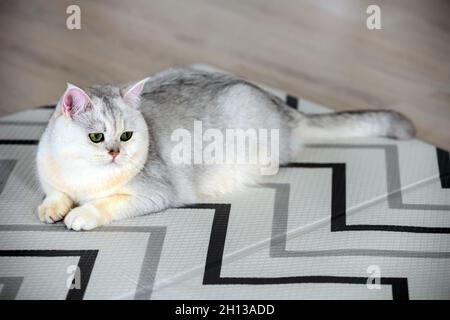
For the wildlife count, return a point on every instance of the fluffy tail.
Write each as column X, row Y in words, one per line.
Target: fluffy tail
column 355, row 124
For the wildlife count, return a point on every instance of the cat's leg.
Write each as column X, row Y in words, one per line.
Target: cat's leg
column 98, row 212
column 103, row 211
column 54, row 207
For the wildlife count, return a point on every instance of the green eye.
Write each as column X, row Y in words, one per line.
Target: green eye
column 96, row 137
column 126, row 136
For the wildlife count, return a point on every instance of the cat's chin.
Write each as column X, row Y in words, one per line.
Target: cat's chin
column 109, row 163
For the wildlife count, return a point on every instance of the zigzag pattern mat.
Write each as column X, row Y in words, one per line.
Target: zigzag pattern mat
column 356, row 219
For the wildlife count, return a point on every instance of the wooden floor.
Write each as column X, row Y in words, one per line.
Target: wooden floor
column 320, row 50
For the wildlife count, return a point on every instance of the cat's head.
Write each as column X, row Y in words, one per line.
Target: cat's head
column 101, row 126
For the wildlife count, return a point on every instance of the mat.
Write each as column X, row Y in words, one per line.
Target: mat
column 352, row 219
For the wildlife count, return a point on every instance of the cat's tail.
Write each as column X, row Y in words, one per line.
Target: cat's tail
column 355, row 124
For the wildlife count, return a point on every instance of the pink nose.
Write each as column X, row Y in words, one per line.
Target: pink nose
column 114, row 153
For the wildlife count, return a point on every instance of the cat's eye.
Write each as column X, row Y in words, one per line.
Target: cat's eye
column 126, row 136
column 96, row 137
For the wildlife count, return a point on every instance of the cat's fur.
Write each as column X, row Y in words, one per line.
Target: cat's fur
column 86, row 189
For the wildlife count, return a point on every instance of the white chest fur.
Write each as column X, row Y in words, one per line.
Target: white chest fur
column 80, row 181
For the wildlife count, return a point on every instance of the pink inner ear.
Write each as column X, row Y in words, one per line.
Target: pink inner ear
column 68, row 101
column 75, row 101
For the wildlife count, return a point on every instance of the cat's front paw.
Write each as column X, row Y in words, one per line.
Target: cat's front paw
column 86, row 217
column 54, row 208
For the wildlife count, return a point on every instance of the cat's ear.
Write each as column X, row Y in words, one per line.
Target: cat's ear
column 132, row 93
column 74, row 101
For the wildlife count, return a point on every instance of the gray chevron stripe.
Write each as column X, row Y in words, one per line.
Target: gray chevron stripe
column 280, row 230
column 6, row 167
column 10, row 287
column 394, row 188
column 149, row 264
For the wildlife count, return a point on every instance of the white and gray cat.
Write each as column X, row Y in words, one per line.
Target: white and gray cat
column 106, row 153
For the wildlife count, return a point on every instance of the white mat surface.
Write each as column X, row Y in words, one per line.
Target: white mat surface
column 317, row 230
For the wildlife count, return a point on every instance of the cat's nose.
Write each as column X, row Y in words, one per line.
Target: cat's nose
column 114, row 153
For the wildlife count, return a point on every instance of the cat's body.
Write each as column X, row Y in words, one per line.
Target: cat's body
column 93, row 183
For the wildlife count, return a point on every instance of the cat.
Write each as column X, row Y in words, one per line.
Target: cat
column 107, row 152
